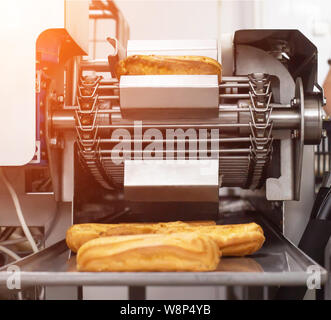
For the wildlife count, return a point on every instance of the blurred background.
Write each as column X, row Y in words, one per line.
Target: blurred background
column 208, row 19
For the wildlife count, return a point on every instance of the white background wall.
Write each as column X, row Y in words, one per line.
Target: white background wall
column 311, row 17
column 202, row 19
column 207, row 19
column 171, row 19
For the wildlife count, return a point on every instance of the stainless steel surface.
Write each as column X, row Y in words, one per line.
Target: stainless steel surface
column 313, row 120
column 221, row 140
column 285, row 119
column 278, row 263
column 235, row 79
column 234, row 85
column 53, row 150
column 172, row 181
column 227, row 165
column 203, row 125
column 169, row 154
column 282, row 119
column 326, row 183
column 261, row 127
column 109, row 82
column 234, row 96
column 282, row 188
column 287, row 186
column 250, row 59
column 169, row 96
column 299, row 141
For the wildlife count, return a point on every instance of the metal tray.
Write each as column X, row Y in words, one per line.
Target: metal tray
column 279, row 262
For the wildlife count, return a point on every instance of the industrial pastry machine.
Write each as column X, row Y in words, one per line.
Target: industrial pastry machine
column 175, row 147
column 250, row 128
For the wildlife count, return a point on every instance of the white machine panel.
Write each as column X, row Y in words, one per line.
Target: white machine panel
column 18, row 67
column 206, row 48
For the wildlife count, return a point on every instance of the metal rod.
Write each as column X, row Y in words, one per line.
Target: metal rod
column 112, row 159
column 221, row 140
column 285, row 119
column 233, row 157
column 225, row 109
column 109, row 97
column 172, row 126
column 235, row 79
column 244, row 150
column 108, row 87
column 108, row 82
column 107, row 111
column 95, row 65
column 235, row 164
column 234, row 85
column 282, row 119
column 234, row 96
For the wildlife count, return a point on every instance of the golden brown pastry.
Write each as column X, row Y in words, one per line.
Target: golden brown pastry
column 157, row 252
column 79, row 234
column 233, row 240
column 238, row 240
column 168, row 65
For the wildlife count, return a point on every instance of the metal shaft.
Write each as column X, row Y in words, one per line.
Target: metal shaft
column 282, row 119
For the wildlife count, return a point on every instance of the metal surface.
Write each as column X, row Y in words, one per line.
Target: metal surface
column 326, row 182
column 185, row 181
column 176, row 186
column 169, row 96
column 287, row 186
column 312, row 120
column 278, row 263
column 282, row 188
column 299, row 142
column 250, row 59
column 282, row 119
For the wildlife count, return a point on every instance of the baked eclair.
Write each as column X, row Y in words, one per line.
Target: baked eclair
column 156, row 252
column 79, row 234
column 233, row 240
column 168, row 65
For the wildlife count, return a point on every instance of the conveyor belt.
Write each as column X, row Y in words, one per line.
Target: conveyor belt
column 244, row 156
column 279, row 262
